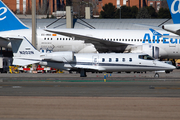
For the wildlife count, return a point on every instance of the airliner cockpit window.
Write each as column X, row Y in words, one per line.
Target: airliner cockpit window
column 145, row 57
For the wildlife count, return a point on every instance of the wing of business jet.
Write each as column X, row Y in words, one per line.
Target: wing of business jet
column 99, row 43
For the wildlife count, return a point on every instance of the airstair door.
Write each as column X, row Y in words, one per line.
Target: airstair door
column 95, row 60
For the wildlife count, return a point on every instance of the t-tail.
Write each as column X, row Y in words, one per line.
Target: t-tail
column 174, row 7
column 24, row 52
column 8, row 20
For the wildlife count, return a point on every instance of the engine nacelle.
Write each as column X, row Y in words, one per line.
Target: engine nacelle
column 59, row 56
column 153, row 51
column 174, row 28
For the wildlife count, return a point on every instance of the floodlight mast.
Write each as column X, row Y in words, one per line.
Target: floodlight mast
column 34, row 23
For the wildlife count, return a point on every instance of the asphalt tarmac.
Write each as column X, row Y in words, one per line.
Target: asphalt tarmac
column 133, row 96
column 114, row 85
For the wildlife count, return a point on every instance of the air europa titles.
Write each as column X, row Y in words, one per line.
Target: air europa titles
column 156, row 39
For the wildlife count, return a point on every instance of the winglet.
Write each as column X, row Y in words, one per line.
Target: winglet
column 8, row 21
column 155, row 33
column 174, row 10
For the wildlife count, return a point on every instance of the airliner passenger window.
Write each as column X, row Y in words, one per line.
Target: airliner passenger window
column 130, row 59
column 44, row 38
column 110, row 60
column 123, row 59
column 103, row 59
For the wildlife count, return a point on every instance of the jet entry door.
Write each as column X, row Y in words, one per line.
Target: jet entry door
column 95, row 60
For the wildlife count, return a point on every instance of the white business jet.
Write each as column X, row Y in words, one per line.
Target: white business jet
column 25, row 54
column 133, row 41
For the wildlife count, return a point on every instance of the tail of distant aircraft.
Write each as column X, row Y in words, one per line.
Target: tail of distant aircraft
column 8, row 20
column 24, row 52
column 174, row 7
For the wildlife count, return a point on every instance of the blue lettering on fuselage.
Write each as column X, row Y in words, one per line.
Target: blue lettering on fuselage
column 156, row 39
column 26, row 52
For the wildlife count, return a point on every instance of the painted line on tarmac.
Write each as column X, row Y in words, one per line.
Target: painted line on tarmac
column 80, row 81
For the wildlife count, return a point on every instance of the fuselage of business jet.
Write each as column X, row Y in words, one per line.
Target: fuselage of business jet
column 168, row 47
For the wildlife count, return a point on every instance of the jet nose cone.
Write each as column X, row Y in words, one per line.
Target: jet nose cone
column 171, row 67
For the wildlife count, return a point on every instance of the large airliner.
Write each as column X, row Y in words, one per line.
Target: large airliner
column 11, row 26
column 149, row 41
column 24, row 54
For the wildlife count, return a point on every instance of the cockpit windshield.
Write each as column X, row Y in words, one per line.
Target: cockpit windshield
column 145, row 57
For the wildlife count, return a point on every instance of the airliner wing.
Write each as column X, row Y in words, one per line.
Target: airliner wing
column 97, row 42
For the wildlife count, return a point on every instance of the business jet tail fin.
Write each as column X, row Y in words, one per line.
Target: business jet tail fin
column 24, row 52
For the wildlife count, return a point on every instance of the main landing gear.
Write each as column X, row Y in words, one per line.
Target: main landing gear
column 83, row 73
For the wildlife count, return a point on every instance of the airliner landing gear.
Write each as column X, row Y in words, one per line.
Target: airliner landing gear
column 83, row 73
column 156, row 75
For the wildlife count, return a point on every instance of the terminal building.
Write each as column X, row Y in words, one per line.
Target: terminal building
column 50, row 6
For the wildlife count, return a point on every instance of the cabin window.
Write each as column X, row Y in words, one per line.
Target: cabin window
column 130, row 59
column 145, row 57
column 57, row 38
column 116, row 39
column 63, row 38
column 110, row 60
column 103, row 59
column 51, row 38
column 123, row 59
column 117, row 59
column 44, row 38
column 47, row 38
